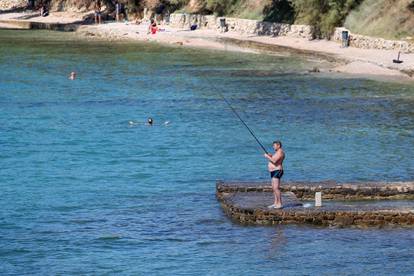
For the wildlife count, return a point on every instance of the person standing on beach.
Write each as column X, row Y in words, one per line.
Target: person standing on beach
column 43, row 9
column 275, row 167
column 117, row 11
column 31, row 4
column 98, row 15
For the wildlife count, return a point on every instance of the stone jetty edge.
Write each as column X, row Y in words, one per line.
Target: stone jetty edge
column 231, row 194
column 33, row 25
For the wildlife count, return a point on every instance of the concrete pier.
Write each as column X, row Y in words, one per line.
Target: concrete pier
column 362, row 204
column 33, row 25
column 56, row 21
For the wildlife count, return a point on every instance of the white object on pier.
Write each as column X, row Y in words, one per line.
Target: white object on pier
column 318, row 199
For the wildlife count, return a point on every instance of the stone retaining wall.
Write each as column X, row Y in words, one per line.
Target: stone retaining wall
column 254, row 27
column 241, row 26
column 367, row 42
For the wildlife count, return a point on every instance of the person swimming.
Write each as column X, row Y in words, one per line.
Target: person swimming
column 149, row 122
column 72, row 75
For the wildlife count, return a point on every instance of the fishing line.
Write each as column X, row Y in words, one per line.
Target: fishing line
column 235, row 112
column 241, row 120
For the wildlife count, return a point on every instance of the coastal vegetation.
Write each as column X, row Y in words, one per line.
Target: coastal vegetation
column 383, row 18
column 392, row 19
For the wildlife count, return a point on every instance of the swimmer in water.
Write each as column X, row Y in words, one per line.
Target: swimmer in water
column 72, row 76
column 150, row 121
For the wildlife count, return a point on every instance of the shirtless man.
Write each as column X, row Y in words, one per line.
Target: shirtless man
column 275, row 167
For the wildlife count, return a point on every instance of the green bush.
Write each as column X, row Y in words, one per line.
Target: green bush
column 411, row 6
column 279, row 11
column 219, row 7
column 178, row 4
column 323, row 15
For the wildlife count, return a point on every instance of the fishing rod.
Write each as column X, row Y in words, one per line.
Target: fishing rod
column 238, row 116
column 241, row 120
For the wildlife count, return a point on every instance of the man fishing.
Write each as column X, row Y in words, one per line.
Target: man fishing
column 275, row 167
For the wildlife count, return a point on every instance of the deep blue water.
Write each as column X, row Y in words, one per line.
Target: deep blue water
column 86, row 188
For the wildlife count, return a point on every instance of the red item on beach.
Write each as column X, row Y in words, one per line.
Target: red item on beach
column 153, row 30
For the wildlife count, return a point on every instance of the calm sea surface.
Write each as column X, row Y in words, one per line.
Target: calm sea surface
column 86, row 188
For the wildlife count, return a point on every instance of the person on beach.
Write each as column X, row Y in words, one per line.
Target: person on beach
column 43, row 9
column 31, row 4
column 72, row 76
column 275, row 167
column 117, row 11
column 152, row 27
column 98, row 15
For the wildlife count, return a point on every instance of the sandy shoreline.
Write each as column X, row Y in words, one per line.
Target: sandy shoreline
column 350, row 61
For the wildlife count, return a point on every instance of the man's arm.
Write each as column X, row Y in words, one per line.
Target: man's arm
column 274, row 158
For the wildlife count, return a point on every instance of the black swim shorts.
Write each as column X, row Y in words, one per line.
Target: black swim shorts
column 276, row 174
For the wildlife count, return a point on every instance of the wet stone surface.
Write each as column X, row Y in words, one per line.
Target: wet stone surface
column 261, row 200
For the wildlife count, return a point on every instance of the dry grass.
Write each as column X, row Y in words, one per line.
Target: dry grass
column 390, row 19
column 250, row 9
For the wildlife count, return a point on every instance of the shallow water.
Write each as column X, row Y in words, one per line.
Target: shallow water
column 84, row 191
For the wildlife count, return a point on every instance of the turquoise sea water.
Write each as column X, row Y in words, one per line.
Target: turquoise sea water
column 86, row 188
